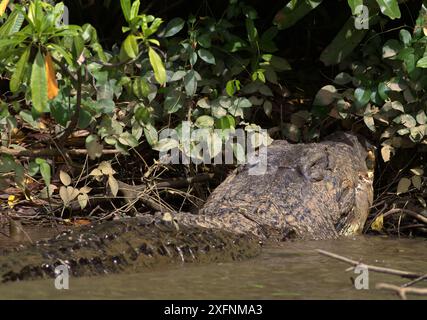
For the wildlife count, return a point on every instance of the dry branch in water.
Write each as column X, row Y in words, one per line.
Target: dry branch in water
column 401, row 273
column 400, row 290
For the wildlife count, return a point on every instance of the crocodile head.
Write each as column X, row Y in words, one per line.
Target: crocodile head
column 352, row 221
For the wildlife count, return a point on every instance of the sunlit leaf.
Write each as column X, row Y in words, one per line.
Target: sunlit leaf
column 157, row 65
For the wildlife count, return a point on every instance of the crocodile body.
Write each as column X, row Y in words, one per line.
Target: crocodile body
column 310, row 191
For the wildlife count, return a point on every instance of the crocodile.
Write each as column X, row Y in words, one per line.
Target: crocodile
column 309, row 191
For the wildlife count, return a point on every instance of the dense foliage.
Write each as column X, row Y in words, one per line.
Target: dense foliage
column 63, row 82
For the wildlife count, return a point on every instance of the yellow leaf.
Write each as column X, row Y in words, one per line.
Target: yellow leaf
column 12, row 201
column 3, row 6
column 378, row 223
column 52, row 84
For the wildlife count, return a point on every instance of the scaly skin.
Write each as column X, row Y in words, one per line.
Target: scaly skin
column 310, row 191
column 129, row 244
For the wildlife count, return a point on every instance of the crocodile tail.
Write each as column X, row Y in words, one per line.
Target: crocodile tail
column 130, row 244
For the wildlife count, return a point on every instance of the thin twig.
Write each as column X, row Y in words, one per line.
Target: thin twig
column 401, row 273
column 411, row 213
column 51, row 152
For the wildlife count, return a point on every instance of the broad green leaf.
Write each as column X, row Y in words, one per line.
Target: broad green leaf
column 45, row 172
column 39, row 85
column 344, row 43
column 127, row 139
column 190, row 83
column 142, row 114
column 294, row 11
column 173, row 101
column 390, row 8
column 173, row 27
column 18, row 75
column 362, row 97
column 151, row 134
column 226, row 122
column 13, row 24
column 206, row 56
column 141, row 88
column 130, row 46
column 157, row 65
column 422, row 63
column 405, row 36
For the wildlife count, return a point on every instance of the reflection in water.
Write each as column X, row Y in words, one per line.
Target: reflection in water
column 292, row 271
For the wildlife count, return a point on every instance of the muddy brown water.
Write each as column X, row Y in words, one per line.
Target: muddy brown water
column 293, row 270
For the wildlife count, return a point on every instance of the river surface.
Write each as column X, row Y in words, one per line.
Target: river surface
column 293, row 270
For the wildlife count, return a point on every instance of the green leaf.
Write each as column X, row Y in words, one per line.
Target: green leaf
column 422, row 63
column 39, row 84
column 127, row 139
column 354, row 4
column 33, row 169
column 173, row 101
column 173, row 27
column 343, row 44
column 134, row 11
column 230, row 88
column 205, row 122
column 226, row 122
column 125, row 4
column 142, row 114
column 45, row 172
column 390, row 8
column 18, row 75
column 293, row 12
column 151, row 134
column 190, row 83
column 206, row 56
column 141, row 88
column 157, row 65
column 362, row 97
column 251, row 30
column 280, row 64
column 405, row 36
column 130, row 46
